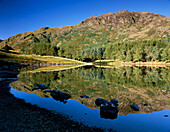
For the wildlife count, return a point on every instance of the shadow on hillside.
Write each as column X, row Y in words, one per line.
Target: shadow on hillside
column 7, row 51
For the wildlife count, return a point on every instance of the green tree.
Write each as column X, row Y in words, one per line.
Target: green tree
column 61, row 52
column 165, row 56
column 138, row 51
column 129, row 56
column 108, row 50
column 99, row 53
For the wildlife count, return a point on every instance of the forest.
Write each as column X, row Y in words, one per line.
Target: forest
column 144, row 50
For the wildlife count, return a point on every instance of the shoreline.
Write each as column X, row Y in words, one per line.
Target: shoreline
column 139, row 64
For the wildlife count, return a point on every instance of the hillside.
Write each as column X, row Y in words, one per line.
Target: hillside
column 100, row 31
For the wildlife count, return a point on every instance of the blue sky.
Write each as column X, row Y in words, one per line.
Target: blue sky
column 19, row 16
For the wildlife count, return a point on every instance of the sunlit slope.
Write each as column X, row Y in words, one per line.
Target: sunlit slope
column 16, row 58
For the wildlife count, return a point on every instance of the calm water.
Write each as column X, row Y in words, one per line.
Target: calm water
column 129, row 85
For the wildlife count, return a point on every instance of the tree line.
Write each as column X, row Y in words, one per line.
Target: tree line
column 147, row 50
column 150, row 50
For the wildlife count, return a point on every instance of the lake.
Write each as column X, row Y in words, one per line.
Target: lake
column 147, row 87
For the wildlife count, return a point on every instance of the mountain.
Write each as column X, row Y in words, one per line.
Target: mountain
column 126, row 31
column 106, row 28
column 1, row 40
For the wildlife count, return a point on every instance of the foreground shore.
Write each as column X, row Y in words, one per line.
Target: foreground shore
column 17, row 115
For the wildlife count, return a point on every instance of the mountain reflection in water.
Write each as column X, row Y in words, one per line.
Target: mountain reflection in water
column 129, row 85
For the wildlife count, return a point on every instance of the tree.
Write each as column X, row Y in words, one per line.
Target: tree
column 156, row 52
column 129, row 56
column 138, row 51
column 99, row 53
column 114, row 51
column 164, row 55
column 121, row 55
column 107, row 54
column 60, row 52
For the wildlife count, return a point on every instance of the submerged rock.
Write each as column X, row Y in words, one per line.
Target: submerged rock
column 84, row 96
column 135, row 107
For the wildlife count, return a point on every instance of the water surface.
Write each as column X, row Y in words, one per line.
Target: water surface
column 129, row 85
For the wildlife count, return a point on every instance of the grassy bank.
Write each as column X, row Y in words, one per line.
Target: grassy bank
column 16, row 58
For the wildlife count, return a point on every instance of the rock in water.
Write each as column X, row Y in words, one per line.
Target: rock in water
column 100, row 101
column 135, row 107
column 115, row 101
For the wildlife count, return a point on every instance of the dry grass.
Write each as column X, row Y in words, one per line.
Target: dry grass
column 27, row 59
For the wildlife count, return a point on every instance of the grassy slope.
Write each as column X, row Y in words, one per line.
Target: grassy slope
column 12, row 57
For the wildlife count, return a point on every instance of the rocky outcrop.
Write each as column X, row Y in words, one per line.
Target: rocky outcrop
column 124, row 17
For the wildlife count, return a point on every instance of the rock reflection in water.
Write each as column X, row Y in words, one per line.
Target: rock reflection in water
column 108, row 110
column 60, row 96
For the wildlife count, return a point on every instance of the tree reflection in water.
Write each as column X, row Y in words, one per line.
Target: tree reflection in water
column 129, row 85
